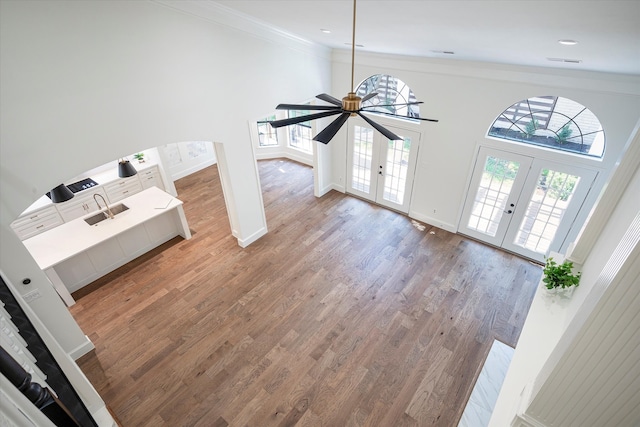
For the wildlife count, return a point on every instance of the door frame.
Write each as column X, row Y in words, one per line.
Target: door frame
column 376, row 195
column 552, row 156
column 587, row 180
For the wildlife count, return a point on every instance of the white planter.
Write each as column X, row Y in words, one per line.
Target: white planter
column 560, row 292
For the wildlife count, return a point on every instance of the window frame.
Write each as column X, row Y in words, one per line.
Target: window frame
column 539, row 122
column 397, row 92
column 300, row 129
column 260, row 124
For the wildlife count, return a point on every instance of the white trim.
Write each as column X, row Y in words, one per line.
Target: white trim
column 324, row 190
column 523, row 420
column 194, row 169
column 76, row 377
column 594, row 347
column 339, row 187
column 624, row 170
column 255, row 236
column 432, row 221
column 17, row 410
column 222, row 15
column 82, row 349
column 597, row 82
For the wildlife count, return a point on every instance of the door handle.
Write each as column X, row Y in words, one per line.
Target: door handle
column 510, row 211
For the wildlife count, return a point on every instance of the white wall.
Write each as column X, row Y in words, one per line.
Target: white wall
column 86, row 82
column 466, row 98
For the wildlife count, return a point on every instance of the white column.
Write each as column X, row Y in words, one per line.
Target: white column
column 622, row 174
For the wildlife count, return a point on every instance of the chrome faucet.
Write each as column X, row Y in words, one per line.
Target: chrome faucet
column 105, row 203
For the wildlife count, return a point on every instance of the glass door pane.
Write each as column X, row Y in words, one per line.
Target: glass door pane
column 396, row 169
column 362, row 157
column 554, row 194
column 491, row 197
column 545, row 211
column 395, row 174
column 495, row 188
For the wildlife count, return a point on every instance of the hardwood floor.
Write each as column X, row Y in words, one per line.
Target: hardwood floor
column 344, row 314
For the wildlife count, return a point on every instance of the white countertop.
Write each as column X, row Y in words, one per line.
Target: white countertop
column 71, row 238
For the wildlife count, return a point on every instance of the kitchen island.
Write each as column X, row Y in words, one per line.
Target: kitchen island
column 75, row 253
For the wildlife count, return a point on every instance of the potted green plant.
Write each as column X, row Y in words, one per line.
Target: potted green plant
column 560, row 276
column 139, row 157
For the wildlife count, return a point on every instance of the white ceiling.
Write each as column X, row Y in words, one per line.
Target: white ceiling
column 520, row 32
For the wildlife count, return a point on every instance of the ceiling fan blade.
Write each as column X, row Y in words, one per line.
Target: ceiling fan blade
column 387, row 133
column 303, row 107
column 369, row 96
column 330, row 99
column 331, row 130
column 393, row 105
column 403, row 117
column 300, row 119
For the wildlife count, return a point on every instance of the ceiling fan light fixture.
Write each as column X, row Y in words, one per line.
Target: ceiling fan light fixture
column 568, row 42
column 565, row 60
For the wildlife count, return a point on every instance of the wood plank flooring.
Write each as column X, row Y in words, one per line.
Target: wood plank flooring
column 344, row 314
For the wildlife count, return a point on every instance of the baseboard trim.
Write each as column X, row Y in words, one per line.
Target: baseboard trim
column 432, row 221
column 243, row 243
column 324, row 191
column 338, row 187
column 82, row 349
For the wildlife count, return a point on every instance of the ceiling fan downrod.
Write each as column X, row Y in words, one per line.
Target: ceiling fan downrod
column 351, row 102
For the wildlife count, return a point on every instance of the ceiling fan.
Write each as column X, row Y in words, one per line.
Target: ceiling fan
column 351, row 105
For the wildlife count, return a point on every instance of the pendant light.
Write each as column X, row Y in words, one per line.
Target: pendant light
column 126, row 169
column 61, row 194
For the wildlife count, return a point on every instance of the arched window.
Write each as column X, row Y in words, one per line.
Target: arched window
column 390, row 91
column 552, row 122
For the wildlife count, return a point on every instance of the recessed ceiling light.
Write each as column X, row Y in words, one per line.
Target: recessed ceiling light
column 570, row 61
column 323, row 30
column 568, row 42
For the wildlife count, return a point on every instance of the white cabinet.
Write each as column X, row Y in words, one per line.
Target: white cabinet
column 122, row 188
column 134, row 242
column 96, row 261
column 151, row 177
column 163, row 227
column 76, row 272
column 44, row 215
column 36, row 222
column 82, row 204
column 101, row 259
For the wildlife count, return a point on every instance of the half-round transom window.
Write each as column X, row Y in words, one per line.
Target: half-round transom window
column 390, row 91
column 552, row 122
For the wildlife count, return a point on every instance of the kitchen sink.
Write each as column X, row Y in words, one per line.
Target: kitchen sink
column 101, row 216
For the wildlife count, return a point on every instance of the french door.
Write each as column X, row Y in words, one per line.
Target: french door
column 523, row 204
column 381, row 170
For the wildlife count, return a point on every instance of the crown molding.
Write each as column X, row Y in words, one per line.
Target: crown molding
column 214, row 12
column 594, row 81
